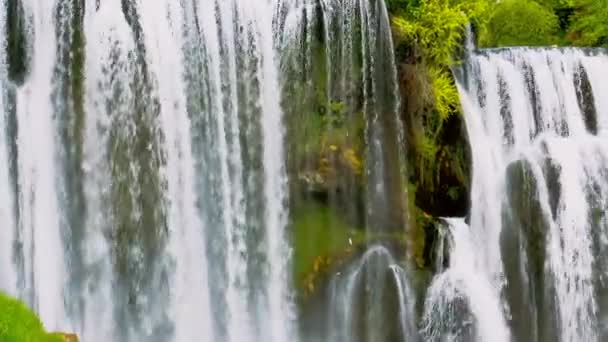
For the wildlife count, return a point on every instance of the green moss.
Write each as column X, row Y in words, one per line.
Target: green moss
column 318, row 232
column 323, row 242
column 19, row 324
column 416, row 238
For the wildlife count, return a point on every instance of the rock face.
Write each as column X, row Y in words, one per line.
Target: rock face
column 438, row 162
column 529, row 292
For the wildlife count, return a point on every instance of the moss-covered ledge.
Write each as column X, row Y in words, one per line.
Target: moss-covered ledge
column 20, row 324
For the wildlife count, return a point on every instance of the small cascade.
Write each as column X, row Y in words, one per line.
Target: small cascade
column 361, row 61
column 462, row 303
column 378, row 310
column 340, row 64
column 341, row 52
column 536, row 117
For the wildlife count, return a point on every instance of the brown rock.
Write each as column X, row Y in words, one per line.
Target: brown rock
column 68, row 337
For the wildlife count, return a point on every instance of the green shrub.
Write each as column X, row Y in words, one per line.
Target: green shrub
column 19, row 324
column 590, row 23
column 521, row 22
column 436, row 29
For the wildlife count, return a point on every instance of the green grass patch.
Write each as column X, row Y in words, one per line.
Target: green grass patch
column 20, row 324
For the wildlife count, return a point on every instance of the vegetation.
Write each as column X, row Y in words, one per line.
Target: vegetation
column 321, row 238
column 547, row 22
column 327, row 156
column 521, row 22
column 19, row 324
column 589, row 25
column 429, row 38
column 323, row 241
column 419, row 26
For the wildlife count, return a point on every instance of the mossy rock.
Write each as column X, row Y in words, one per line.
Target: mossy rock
column 321, row 238
column 529, row 290
column 439, row 156
column 20, row 324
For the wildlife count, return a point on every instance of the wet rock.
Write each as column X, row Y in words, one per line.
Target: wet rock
column 443, row 180
column 17, row 46
column 361, row 301
column 529, row 289
column 586, row 102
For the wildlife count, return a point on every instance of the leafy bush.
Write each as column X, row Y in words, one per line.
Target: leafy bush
column 555, row 4
column 19, row 324
column 401, row 6
column 521, row 22
column 436, row 28
column 590, row 23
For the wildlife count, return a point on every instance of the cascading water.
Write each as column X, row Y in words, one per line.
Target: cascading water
column 536, row 120
column 40, row 235
column 145, row 155
column 339, row 61
column 364, row 304
column 151, row 192
column 462, row 304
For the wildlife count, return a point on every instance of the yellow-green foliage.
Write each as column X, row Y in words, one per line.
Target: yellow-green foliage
column 445, row 94
column 19, row 324
column 436, row 28
column 521, row 22
column 590, row 23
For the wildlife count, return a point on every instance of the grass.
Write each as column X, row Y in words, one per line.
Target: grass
column 19, row 324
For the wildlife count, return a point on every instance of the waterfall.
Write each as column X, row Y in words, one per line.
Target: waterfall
column 537, row 123
column 154, row 155
column 147, row 156
column 462, row 304
column 340, row 65
column 151, row 189
column 8, row 282
column 363, row 310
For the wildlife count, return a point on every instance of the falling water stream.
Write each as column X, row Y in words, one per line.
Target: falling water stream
column 537, row 122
